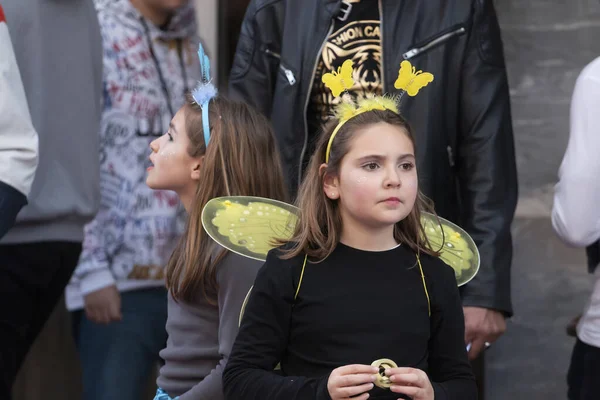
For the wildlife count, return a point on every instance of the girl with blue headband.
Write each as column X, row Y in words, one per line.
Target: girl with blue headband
column 214, row 147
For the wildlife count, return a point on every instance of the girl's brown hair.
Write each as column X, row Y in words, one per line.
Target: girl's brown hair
column 319, row 227
column 241, row 160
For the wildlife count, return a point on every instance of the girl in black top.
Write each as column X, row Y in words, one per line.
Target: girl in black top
column 357, row 283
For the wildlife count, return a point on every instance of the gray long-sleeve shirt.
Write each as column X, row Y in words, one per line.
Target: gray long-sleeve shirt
column 58, row 48
column 201, row 336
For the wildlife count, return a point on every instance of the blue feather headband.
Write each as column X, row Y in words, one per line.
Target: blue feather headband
column 204, row 92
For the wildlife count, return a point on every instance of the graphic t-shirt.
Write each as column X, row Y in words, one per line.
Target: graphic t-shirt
column 358, row 38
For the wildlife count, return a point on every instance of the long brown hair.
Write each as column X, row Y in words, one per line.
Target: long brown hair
column 319, row 227
column 240, row 160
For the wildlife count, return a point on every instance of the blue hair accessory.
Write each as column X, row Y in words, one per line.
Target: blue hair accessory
column 204, row 92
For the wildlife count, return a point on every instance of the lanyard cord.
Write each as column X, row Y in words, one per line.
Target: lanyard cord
column 163, row 83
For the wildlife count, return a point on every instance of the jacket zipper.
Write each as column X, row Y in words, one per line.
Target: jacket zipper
column 380, row 5
column 310, row 86
column 415, row 51
column 287, row 72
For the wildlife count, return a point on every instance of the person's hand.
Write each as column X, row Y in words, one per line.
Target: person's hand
column 104, row 305
column 351, row 380
column 411, row 382
column 482, row 325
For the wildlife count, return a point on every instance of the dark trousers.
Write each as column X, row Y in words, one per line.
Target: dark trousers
column 11, row 202
column 478, row 366
column 583, row 378
column 33, row 277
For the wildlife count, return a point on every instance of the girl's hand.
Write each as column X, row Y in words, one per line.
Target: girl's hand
column 351, row 380
column 412, row 382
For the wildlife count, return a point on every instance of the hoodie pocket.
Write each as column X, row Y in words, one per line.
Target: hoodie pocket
column 288, row 74
column 435, row 41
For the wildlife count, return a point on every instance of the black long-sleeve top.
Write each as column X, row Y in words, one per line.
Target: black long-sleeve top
column 353, row 308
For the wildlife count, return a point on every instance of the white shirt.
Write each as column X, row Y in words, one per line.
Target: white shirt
column 576, row 210
column 18, row 138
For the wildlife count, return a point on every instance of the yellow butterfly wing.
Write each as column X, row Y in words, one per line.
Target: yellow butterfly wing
column 341, row 80
column 404, row 75
column 456, row 247
column 248, row 225
column 334, row 83
column 346, row 74
column 418, row 82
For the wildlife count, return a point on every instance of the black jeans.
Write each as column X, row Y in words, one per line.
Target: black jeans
column 11, row 202
column 583, row 378
column 33, row 277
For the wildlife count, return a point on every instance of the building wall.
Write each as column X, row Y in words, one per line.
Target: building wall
column 547, row 43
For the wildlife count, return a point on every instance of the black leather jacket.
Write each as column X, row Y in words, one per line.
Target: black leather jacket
column 462, row 121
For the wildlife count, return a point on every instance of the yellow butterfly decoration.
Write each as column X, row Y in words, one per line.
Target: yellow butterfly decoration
column 341, row 80
column 410, row 80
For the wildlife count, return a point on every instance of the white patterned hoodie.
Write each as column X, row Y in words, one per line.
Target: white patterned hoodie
column 147, row 70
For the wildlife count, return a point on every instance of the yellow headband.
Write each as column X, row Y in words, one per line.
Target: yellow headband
column 409, row 81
